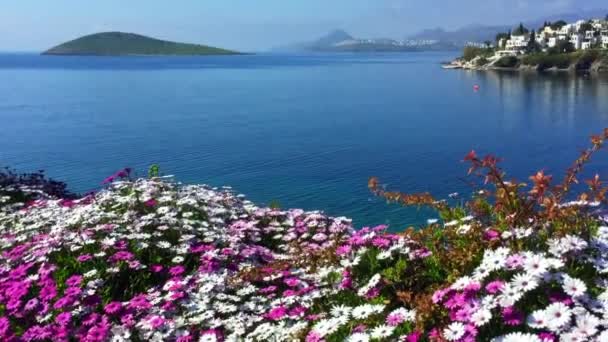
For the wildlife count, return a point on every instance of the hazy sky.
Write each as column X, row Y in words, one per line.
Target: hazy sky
column 30, row 25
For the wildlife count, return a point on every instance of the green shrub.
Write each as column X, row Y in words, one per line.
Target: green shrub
column 507, row 62
column 470, row 52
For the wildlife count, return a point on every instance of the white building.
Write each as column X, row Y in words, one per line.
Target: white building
column 577, row 40
column 518, row 42
column 586, row 45
column 605, row 42
column 566, row 30
column 552, row 42
column 578, row 24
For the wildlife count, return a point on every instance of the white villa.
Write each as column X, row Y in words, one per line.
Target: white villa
column 578, row 33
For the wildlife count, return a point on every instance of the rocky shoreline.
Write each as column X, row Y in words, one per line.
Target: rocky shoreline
column 597, row 67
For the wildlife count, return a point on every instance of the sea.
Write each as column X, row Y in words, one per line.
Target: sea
column 301, row 130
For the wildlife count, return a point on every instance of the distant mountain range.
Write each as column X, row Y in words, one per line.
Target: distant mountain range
column 341, row 41
column 481, row 33
column 437, row 39
column 121, row 43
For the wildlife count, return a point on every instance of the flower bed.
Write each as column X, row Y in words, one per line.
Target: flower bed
column 151, row 259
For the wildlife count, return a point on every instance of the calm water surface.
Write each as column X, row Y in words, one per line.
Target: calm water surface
column 307, row 131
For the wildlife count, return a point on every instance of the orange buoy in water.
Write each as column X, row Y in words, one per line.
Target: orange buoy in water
column 476, row 87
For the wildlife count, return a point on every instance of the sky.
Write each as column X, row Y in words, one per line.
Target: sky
column 256, row 25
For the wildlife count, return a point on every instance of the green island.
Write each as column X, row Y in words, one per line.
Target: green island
column 576, row 47
column 124, row 44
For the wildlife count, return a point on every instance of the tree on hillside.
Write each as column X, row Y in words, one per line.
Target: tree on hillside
column 520, row 30
column 558, row 24
column 564, row 46
column 533, row 45
column 585, row 27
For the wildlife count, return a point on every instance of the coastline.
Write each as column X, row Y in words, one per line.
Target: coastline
column 599, row 66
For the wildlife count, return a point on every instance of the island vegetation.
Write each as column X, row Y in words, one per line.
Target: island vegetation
column 155, row 260
column 556, row 46
column 124, row 44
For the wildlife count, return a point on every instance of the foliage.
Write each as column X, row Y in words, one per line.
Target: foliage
column 120, row 43
column 558, row 24
column 471, row 52
column 507, row 62
column 150, row 259
column 481, row 61
column 520, row 30
column 26, row 187
column 582, row 60
column 585, row 27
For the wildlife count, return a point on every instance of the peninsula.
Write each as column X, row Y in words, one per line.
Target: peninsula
column 558, row 46
column 124, row 44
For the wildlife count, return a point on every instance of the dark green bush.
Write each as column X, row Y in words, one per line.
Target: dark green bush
column 507, row 62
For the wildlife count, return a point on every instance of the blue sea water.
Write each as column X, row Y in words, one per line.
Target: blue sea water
column 304, row 130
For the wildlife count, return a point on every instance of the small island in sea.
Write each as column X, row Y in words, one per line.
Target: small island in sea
column 125, row 44
column 581, row 46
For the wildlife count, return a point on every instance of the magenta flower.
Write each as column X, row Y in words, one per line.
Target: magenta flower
column 157, row 268
column 150, row 203
column 297, row 311
column 31, row 304
column 84, row 257
column 360, row 328
column 416, row 336
column 491, row 235
column 314, row 337
column 381, row 242
column 495, row 286
column 156, row 322
column 37, row 333
column 63, row 318
column 97, row 333
column 277, row 313
column 292, row 282
column 5, row 326
column 112, row 308
column 74, row 280
column 546, row 337
column 511, row 316
column 394, row 319
column 139, row 302
column 343, row 250
column 176, row 271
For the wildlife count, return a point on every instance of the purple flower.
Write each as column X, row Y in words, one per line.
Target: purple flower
column 157, row 268
column 37, row 333
column 495, row 286
column 5, row 326
column 139, row 302
column 395, row 319
column 343, row 250
column 292, row 282
column 31, row 304
column 150, row 203
column 381, row 242
column 112, row 308
column 314, row 337
column 84, row 257
column 511, row 316
column 416, row 336
column 546, row 337
column 74, row 280
column 277, row 313
column 97, row 333
column 156, row 321
column 176, row 271
column 491, row 235
column 63, row 318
